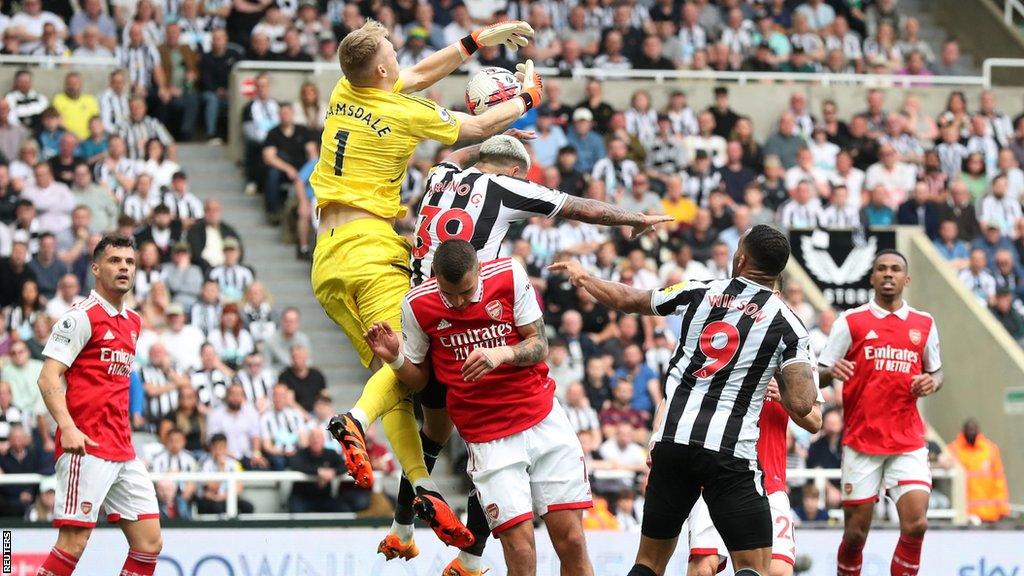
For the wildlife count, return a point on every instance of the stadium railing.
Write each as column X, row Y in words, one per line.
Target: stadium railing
column 819, row 476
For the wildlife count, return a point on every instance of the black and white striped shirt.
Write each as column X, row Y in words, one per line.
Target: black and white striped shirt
column 180, row 462
column 476, row 207
column 211, row 386
column 140, row 62
column 583, row 418
column 256, row 386
column 735, row 334
column 136, row 134
column 162, row 404
column 233, row 280
column 186, row 205
column 205, row 316
column 113, row 109
column 282, row 427
column 27, row 106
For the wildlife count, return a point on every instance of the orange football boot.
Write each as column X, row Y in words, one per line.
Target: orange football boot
column 392, row 547
column 455, row 568
column 349, row 433
column 432, row 509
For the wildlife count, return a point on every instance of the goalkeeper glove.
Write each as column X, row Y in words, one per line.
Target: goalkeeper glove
column 533, row 86
column 513, row 35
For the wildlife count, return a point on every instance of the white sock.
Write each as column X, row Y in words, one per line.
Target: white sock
column 468, row 561
column 403, row 531
column 426, row 484
column 360, row 417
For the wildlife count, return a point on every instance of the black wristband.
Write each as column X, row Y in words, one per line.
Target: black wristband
column 528, row 100
column 469, row 44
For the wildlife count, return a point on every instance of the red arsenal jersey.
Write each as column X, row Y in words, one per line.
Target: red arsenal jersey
column 772, row 445
column 97, row 344
column 887, row 350
column 506, row 401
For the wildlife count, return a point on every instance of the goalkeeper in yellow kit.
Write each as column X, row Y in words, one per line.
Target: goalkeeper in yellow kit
column 361, row 265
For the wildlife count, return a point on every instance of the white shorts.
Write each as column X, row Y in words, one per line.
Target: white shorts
column 85, row 483
column 783, row 537
column 533, row 472
column 705, row 540
column 865, row 475
column 703, row 536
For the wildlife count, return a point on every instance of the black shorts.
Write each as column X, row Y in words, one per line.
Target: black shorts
column 433, row 394
column 732, row 487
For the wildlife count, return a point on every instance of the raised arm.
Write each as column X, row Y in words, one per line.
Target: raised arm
column 497, row 118
column 440, row 64
column 597, row 212
column 614, row 295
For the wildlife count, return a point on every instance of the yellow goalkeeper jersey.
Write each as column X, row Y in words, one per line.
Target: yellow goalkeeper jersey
column 369, row 136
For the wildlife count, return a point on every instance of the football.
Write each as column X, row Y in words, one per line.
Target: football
column 490, row 86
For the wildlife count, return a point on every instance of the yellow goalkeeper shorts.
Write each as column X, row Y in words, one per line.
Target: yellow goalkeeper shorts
column 360, row 275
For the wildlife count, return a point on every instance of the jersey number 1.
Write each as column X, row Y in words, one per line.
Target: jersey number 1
column 427, row 214
column 719, row 342
column 341, row 137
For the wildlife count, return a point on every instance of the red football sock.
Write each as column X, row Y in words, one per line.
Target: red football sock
column 906, row 560
column 139, row 564
column 58, row 563
column 849, row 559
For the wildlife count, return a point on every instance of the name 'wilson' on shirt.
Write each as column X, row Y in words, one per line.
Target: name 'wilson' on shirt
column 462, row 343
column 892, row 359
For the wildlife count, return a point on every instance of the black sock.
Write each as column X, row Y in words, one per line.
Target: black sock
column 477, row 524
column 403, row 506
column 641, row 570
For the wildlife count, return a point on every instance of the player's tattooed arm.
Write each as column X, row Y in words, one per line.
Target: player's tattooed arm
column 597, row 212
column 534, row 346
column 54, row 396
column 614, row 295
column 798, row 389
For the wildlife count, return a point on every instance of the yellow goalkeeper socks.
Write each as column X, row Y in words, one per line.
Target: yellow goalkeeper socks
column 382, row 392
column 403, row 432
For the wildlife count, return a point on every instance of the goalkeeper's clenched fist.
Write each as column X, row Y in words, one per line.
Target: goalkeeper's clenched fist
column 513, row 35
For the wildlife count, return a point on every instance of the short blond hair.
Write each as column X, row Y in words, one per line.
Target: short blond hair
column 357, row 50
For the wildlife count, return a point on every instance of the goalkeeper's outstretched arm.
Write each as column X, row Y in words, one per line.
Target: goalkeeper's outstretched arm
column 428, row 71
column 497, row 118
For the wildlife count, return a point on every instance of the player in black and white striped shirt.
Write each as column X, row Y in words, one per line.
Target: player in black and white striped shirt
column 479, row 204
column 736, row 333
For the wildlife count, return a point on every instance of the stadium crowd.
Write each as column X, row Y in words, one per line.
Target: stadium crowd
column 225, row 380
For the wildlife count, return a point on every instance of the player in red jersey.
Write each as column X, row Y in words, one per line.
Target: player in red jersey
column 483, row 331
column 707, row 552
column 92, row 348
column 887, row 355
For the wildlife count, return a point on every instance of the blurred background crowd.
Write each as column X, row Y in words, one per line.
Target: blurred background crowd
column 225, row 378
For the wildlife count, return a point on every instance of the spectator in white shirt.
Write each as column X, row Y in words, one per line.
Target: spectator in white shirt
column 850, row 176
column 683, row 263
column 1014, row 175
column 839, row 213
column 802, row 210
column 182, row 340
column 66, row 297
column 460, row 26
column 53, row 200
column 998, row 207
column 238, row 421
column 897, row 177
column 805, row 171
column 28, row 25
column 978, row 279
column 720, row 265
column 282, row 429
column 622, row 451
